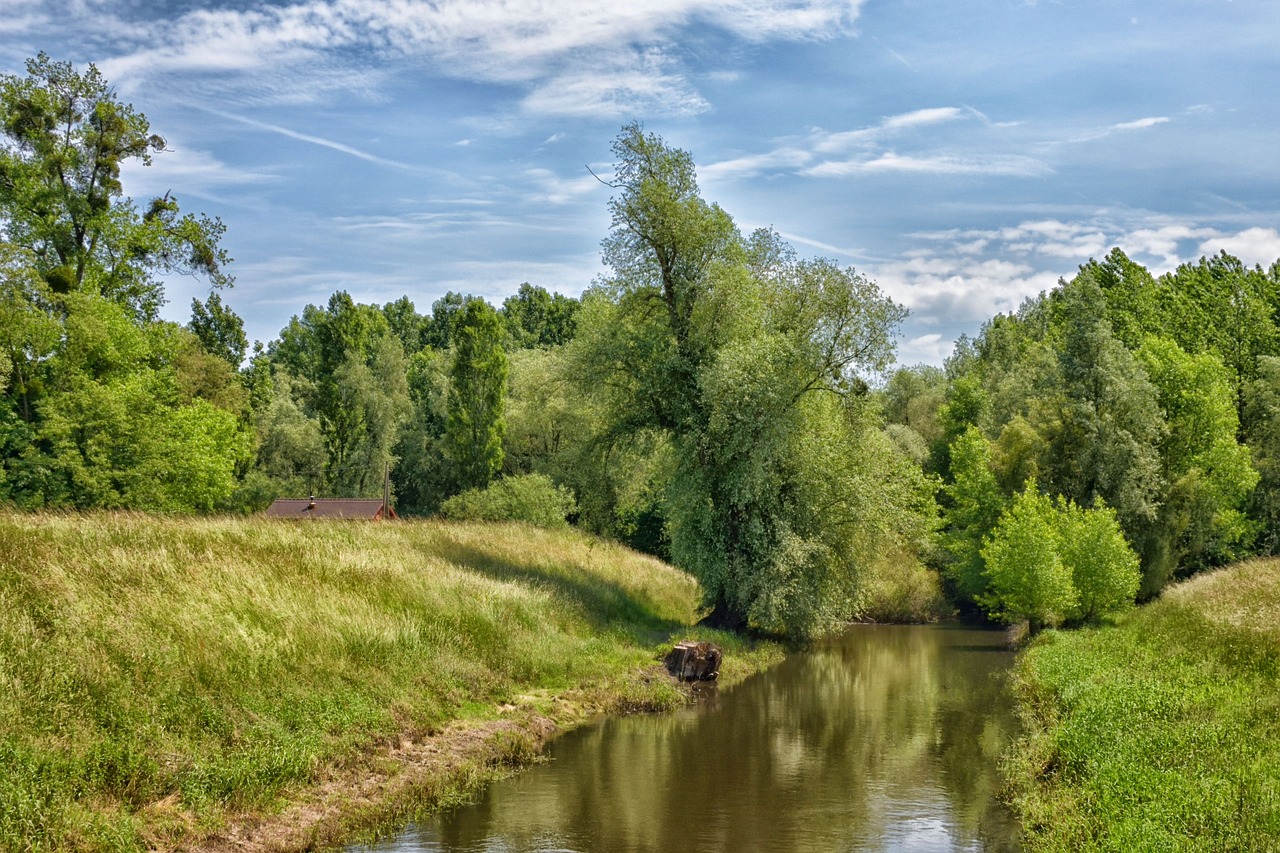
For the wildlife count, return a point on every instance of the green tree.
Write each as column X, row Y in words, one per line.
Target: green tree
column 66, row 137
column 1109, row 426
column 478, row 377
column 1104, row 569
column 536, row 318
column 1263, row 420
column 220, row 330
column 1026, row 576
column 1210, row 473
column 1220, row 304
column 974, row 507
column 749, row 364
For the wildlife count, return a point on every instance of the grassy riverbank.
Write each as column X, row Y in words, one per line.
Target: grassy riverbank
column 1162, row 732
column 165, row 683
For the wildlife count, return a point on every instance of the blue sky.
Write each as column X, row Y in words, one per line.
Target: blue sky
column 963, row 154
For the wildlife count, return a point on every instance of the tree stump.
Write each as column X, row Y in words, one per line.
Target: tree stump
column 690, row 661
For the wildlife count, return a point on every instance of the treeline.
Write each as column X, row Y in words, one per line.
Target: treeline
column 710, row 400
column 1154, row 401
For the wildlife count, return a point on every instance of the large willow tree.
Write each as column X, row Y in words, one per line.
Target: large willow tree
column 750, row 363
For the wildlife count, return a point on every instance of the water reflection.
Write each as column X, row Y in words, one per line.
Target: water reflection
column 883, row 740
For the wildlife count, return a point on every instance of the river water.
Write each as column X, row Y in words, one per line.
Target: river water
column 885, row 739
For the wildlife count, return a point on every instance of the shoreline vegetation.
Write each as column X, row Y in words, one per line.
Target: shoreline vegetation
column 227, row 683
column 1160, row 731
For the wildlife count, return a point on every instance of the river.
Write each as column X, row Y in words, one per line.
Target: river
column 884, row 739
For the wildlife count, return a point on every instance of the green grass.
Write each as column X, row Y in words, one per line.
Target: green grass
column 1161, row 732
column 160, row 674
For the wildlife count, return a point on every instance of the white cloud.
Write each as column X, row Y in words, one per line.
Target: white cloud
column 932, row 348
column 936, row 164
column 1136, row 124
column 1141, row 123
column 185, row 169
column 1162, row 242
column 781, row 159
column 844, row 140
column 554, row 46
column 1253, row 246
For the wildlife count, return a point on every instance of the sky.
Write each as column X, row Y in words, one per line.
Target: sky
column 963, row 154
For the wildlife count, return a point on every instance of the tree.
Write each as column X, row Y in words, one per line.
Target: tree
column 437, row 330
column 1026, row 576
column 220, row 330
column 1209, row 471
column 1104, row 569
column 61, row 198
column 536, row 318
column 974, row 507
column 475, row 424
column 749, row 364
column 1109, row 426
column 1263, row 420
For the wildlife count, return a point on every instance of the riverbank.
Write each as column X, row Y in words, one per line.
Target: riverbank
column 178, row 683
column 1161, row 732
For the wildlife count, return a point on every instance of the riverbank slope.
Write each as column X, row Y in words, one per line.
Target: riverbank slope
column 1161, row 732
column 174, row 683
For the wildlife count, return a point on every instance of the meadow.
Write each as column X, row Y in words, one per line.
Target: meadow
column 1159, row 732
column 167, row 681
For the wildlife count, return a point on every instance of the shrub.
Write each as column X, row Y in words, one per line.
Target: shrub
column 531, row 498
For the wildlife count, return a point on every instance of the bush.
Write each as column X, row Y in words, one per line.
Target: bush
column 532, row 498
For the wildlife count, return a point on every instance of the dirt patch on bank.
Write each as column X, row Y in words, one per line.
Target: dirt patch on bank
column 388, row 786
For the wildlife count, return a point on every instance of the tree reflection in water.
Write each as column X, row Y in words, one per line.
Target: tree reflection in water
column 885, row 739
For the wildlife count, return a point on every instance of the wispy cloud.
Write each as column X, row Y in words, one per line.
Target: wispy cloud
column 555, row 49
column 1136, row 124
column 939, row 164
column 844, row 140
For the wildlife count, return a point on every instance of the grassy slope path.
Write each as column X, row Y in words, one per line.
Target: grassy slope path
column 174, row 683
column 1162, row 732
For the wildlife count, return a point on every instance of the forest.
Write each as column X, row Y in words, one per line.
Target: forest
column 715, row 399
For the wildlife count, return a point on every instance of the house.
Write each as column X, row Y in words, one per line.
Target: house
column 367, row 510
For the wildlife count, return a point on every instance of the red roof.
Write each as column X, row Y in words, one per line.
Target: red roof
column 329, row 508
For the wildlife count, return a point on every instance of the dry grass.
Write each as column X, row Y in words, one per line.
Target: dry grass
column 160, row 674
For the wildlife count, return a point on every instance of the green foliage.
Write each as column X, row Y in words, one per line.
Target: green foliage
column 220, row 330
column 973, row 509
column 67, row 137
column 536, row 318
column 478, row 383
column 1048, row 564
column 530, row 498
column 749, row 365
column 1263, row 420
column 1210, row 472
column 1107, row 440
column 1026, row 576
column 1104, row 569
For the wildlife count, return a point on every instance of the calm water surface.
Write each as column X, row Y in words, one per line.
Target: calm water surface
column 885, row 739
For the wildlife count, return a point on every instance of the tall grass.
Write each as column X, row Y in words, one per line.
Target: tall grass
column 1161, row 732
column 157, row 673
